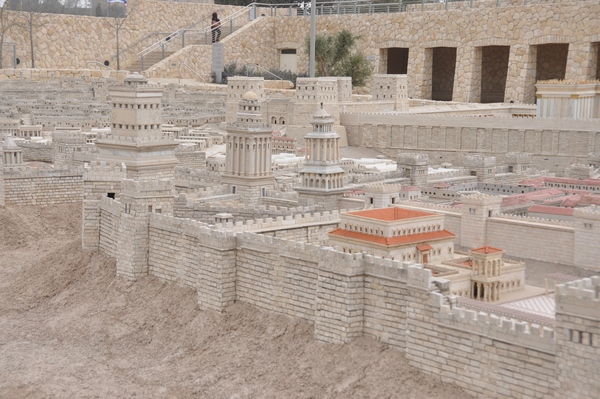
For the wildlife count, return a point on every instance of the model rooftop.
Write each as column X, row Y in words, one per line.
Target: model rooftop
column 391, row 214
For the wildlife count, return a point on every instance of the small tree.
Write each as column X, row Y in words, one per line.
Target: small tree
column 334, row 56
column 8, row 21
column 118, row 16
column 30, row 22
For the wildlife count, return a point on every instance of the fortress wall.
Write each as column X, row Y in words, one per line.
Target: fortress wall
column 173, row 250
column 578, row 338
column 485, row 354
column 530, row 240
column 277, row 275
column 349, row 295
column 110, row 216
column 42, row 187
column 385, row 311
column 315, row 235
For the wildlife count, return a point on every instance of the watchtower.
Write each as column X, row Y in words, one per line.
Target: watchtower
column 415, row 167
column 139, row 199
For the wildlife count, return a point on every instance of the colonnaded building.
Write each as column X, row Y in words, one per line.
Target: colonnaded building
column 408, row 211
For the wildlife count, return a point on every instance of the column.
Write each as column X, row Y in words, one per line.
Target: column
column 419, row 72
column 581, row 61
column 467, row 75
column 520, row 82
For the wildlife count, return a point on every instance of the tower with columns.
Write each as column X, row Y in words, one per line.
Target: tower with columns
column 12, row 155
column 248, row 151
column 322, row 176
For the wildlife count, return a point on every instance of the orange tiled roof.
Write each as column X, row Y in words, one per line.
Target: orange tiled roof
column 424, row 247
column 390, row 214
column 398, row 240
column 486, row 250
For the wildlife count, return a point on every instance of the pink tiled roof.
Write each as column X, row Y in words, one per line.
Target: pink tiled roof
column 390, row 214
column 551, row 210
column 486, row 250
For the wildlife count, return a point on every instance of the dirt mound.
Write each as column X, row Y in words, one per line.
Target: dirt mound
column 70, row 328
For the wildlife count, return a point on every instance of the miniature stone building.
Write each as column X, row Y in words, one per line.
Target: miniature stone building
column 136, row 137
column 248, row 151
column 322, row 176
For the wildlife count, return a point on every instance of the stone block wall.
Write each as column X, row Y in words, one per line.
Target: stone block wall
column 556, row 143
column 578, row 338
column 36, row 152
column 70, row 41
column 485, row 354
column 42, row 187
column 277, row 275
column 109, row 219
column 525, row 238
column 348, row 295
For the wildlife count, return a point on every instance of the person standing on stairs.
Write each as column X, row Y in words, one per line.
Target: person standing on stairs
column 215, row 26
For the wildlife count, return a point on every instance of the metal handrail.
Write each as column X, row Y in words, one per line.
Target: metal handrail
column 139, row 41
column 170, row 38
column 99, row 63
column 191, row 70
column 263, row 69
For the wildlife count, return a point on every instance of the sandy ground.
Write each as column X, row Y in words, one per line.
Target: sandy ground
column 70, row 329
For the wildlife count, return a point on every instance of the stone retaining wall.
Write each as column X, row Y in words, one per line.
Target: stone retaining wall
column 43, row 187
column 554, row 143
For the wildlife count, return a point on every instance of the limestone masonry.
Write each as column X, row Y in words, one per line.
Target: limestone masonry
column 408, row 213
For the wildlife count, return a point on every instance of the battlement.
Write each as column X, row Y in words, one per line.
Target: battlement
column 147, row 188
column 289, row 221
column 408, row 158
column 498, row 327
column 579, row 298
column 591, row 212
column 102, row 171
column 480, row 161
column 480, row 199
column 518, row 158
column 530, row 219
column 29, row 173
column 73, row 136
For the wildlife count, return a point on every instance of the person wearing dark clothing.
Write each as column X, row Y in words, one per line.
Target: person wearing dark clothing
column 215, row 26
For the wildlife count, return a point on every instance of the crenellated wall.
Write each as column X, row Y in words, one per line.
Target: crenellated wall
column 350, row 295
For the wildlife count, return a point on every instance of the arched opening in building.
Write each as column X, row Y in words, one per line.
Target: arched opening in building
column 443, row 67
column 494, row 71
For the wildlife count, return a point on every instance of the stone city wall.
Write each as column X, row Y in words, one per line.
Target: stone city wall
column 554, row 143
column 110, row 216
column 349, row 295
column 42, row 187
column 485, row 354
column 525, row 238
column 578, row 339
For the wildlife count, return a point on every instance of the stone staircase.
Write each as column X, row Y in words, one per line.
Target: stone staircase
column 171, row 48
